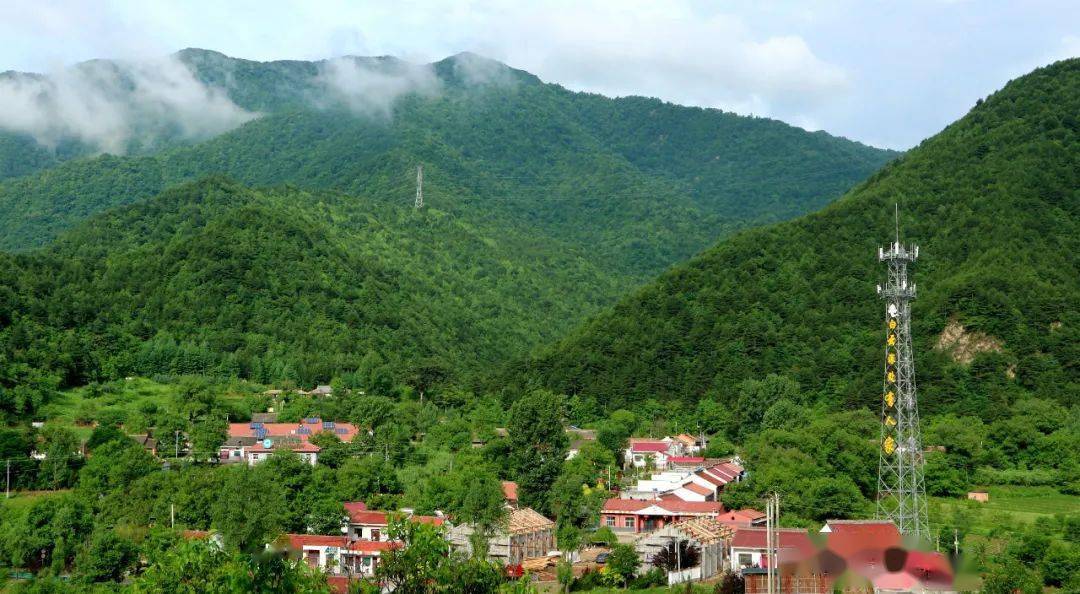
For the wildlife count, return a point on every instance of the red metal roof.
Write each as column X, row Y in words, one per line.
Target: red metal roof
column 686, row 459
column 756, row 538
column 510, row 491
column 712, row 479
column 299, row 541
column 360, row 514
column 373, row 518
column 303, row 447
column 700, row 490
column 354, row 506
column 649, row 446
column 848, row 537
column 671, row 505
column 289, row 429
column 744, row 517
column 625, row 505
column 373, row 546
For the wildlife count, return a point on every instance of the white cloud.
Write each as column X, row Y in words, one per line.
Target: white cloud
column 371, row 87
column 665, row 50
column 109, row 105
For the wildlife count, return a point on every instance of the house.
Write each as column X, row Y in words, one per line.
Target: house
column 642, row 453
column 575, row 448
column 742, row 518
column 148, row 443
column 256, row 441
column 691, row 444
column 510, row 491
column 748, row 547
column 527, row 535
column 337, row 555
column 637, row 515
column 322, row 390
column 685, row 462
column 262, row 450
column 578, row 438
column 708, row 535
column 980, row 496
column 703, row 483
column 365, row 524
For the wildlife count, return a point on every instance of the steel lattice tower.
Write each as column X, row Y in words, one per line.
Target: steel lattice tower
column 419, row 202
column 901, row 488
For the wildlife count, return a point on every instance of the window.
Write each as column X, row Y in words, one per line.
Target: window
column 746, row 559
column 374, row 534
column 610, row 521
column 628, row 522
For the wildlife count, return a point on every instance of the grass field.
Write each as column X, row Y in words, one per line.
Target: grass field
column 125, row 400
column 1009, row 507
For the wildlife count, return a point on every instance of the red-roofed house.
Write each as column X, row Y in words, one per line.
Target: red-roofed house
column 256, row 441
column 365, row 524
column 748, row 547
column 337, row 555
column 510, row 491
column 637, row 515
column 643, row 452
column 742, row 518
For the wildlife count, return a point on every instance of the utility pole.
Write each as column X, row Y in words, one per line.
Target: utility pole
column 901, row 489
column 772, row 542
column 172, row 515
column 7, row 490
column 419, row 187
column 176, row 453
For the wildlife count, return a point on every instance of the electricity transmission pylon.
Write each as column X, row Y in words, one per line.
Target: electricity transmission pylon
column 901, row 488
column 419, row 187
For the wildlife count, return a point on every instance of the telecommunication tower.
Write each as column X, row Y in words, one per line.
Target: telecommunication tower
column 419, row 187
column 901, row 488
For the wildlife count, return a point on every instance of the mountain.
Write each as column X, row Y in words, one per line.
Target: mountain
column 639, row 183
column 213, row 277
column 993, row 201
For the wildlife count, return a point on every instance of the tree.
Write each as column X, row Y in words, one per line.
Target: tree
column 537, row 446
column 326, row 516
column 835, row 497
column 564, row 571
column 1060, row 563
column 418, row 563
column 250, row 510
column 623, row 563
column 114, row 467
column 671, row 558
column 61, row 446
column 107, row 557
column 207, row 435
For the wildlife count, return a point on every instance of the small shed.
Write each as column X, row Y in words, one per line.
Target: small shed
column 980, row 496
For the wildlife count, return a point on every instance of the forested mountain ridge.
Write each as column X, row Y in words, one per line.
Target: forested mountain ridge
column 214, row 278
column 640, row 183
column 993, row 202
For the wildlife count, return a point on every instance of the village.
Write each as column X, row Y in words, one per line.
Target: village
column 665, row 505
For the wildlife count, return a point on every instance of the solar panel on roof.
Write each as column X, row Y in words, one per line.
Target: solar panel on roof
column 312, row 420
column 328, row 425
column 304, row 431
column 260, row 433
column 256, row 425
column 341, row 431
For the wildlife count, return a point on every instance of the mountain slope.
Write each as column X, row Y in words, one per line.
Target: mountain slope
column 212, row 277
column 993, row 200
column 639, row 183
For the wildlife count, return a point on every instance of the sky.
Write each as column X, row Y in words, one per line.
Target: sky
column 885, row 73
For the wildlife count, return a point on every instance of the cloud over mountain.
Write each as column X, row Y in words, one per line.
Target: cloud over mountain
column 112, row 106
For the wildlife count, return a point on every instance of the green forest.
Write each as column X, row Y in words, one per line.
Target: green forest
column 560, row 274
